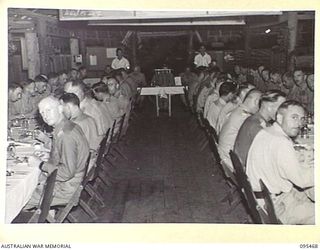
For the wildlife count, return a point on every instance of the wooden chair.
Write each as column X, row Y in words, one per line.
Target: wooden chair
column 41, row 213
column 115, row 147
column 64, row 212
column 271, row 217
column 242, row 179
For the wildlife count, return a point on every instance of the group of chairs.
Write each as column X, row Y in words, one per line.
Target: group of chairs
column 96, row 180
column 240, row 190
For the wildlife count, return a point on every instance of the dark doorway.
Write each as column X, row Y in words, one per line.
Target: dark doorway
column 153, row 52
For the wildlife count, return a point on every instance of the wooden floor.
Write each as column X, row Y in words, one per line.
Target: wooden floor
column 167, row 178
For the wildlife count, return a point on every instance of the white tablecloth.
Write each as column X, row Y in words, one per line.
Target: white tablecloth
column 19, row 188
column 174, row 90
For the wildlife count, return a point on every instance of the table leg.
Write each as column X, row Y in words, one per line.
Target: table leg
column 157, row 104
column 169, row 105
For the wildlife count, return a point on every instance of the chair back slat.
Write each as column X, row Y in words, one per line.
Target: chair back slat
column 213, row 142
column 269, row 207
column 102, row 147
column 244, row 184
column 86, row 170
column 120, row 127
column 47, row 196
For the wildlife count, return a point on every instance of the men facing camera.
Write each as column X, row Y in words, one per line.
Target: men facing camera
column 69, row 152
column 203, row 59
column 300, row 91
column 272, row 158
column 120, row 61
column 14, row 95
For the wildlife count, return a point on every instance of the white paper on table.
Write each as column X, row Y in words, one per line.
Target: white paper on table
column 93, row 60
column 177, row 81
column 111, row 52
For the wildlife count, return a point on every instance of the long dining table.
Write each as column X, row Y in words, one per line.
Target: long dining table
column 305, row 151
column 21, row 178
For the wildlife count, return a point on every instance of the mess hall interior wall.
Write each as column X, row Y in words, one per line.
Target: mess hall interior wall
column 39, row 43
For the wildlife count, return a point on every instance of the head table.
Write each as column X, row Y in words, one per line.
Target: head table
column 162, row 92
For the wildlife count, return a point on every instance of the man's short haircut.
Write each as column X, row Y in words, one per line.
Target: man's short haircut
column 303, row 70
column 285, row 105
column 49, row 99
column 274, row 71
column 52, row 75
column 287, row 74
column 100, row 87
column 118, row 49
column 13, row 86
column 226, row 88
column 78, row 83
column 70, row 98
column 41, row 78
column 62, row 72
column 26, row 83
column 271, row 96
column 250, row 93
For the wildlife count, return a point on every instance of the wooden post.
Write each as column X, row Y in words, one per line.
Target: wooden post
column 42, row 37
column 33, row 55
column 247, row 34
column 293, row 28
column 134, row 48
column 74, row 50
column 190, row 47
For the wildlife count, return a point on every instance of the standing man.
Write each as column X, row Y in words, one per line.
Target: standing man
column 120, row 61
column 69, row 153
column 203, row 59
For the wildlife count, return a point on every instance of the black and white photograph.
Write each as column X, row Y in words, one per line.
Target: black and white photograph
column 152, row 116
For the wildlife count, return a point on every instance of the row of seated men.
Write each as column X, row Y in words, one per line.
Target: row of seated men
column 80, row 117
column 261, row 126
column 297, row 85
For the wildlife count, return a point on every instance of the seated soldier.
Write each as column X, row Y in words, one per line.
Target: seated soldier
column 273, row 159
column 89, row 106
column 14, row 95
column 69, row 153
column 101, row 93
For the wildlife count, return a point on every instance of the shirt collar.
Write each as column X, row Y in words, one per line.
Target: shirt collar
column 277, row 130
column 59, row 127
column 222, row 101
column 76, row 115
